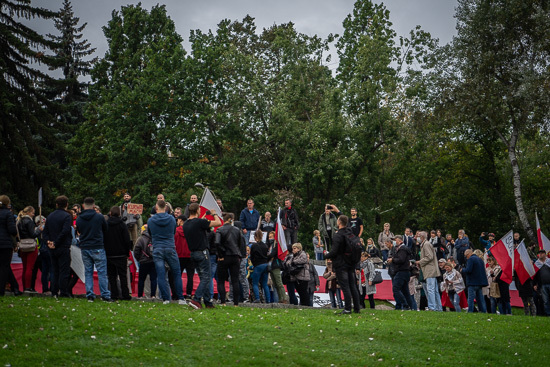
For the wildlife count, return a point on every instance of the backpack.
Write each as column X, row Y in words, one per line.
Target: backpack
column 353, row 249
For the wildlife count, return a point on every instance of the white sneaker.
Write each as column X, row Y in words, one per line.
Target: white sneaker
column 165, row 302
column 182, row 302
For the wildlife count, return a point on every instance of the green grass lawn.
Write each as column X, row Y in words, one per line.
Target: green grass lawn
column 43, row 331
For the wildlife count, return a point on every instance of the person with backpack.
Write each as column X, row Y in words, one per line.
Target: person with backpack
column 143, row 253
column 345, row 255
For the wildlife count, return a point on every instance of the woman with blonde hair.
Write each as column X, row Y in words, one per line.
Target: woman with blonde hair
column 298, row 267
column 27, row 229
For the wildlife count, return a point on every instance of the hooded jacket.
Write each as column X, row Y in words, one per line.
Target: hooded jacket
column 92, row 227
column 338, row 249
column 143, row 252
column 182, row 248
column 162, row 227
column 117, row 238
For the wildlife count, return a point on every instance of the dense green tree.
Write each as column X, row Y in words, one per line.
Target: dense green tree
column 29, row 133
column 132, row 119
column 495, row 77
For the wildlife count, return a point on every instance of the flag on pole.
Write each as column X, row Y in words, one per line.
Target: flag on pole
column 544, row 242
column 503, row 251
column 280, row 236
column 522, row 263
column 208, row 202
column 40, row 197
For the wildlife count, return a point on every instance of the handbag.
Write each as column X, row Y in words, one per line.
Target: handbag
column 377, row 278
column 26, row 244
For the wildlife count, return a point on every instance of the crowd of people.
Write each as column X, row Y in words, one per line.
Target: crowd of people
column 428, row 271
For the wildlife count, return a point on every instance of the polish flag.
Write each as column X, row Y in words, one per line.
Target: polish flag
column 208, row 202
column 522, row 263
column 503, row 251
column 280, row 236
column 544, row 242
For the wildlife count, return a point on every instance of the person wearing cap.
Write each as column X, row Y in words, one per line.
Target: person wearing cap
column 487, row 244
column 143, row 253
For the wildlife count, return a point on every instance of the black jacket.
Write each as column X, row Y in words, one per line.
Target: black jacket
column 338, row 249
column 401, row 259
column 92, row 227
column 58, row 228
column 274, row 255
column 117, row 239
column 258, row 253
column 27, row 228
column 289, row 218
column 7, row 228
column 231, row 241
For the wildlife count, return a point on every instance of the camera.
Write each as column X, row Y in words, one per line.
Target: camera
column 329, row 207
column 208, row 212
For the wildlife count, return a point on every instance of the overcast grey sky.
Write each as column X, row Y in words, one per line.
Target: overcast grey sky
column 320, row 17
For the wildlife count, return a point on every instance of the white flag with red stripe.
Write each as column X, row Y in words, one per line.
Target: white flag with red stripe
column 208, row 202
column 544, row 242
column 503, row 251
column 281, row 239
column 522, row 263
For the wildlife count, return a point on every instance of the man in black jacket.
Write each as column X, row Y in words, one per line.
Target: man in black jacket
column 402, row 267
column 290, row 222
column 229, row 251
column 345, row 272
column 117, row 246
column 57, row 233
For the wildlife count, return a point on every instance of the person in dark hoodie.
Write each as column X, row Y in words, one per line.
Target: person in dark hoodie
column 92, row 227
column 58, row 234
column 117, row 244
column 162, row 227
column 143, row 252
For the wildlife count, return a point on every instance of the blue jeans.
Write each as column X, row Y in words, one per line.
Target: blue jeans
column 319, row 256
column 97, row 257
column 475, row 291
column 385, row 255
column 433, row 296
column 170, row 256
column 202, row 264
column 455, row 299
column 260, row 276
column 213, row 271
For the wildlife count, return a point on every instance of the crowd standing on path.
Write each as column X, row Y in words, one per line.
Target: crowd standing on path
column 428, row 270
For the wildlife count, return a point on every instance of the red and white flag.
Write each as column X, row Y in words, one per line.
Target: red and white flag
column 280, row 236
column 503, row 251
column 544, row 242
column 522, row 263
column 208, row 202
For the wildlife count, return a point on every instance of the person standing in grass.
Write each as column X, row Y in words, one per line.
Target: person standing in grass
column 92, row 227
column 368, row 289
column 313, row 284
column 143, row 253
column 430, row 270
column 345, row 271
column 117, row 247
column 258, row 256
column 195, row 230
column 229, row 253
column 476, row 279
column 162, row 227
column 331, row 286
column 298, row 260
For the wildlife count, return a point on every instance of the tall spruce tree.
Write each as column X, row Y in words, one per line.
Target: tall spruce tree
column 28, row 130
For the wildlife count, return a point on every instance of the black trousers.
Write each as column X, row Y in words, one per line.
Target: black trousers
column 348, row 284
column 61, row 270
column 5, row 264
column 117, row 268
column 229, row 266
column 189, row 266
column 301, row 287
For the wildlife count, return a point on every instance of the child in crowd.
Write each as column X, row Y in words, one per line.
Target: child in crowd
column 367, row 276
column 318, row 245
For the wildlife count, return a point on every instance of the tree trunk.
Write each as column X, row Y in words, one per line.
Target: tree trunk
column 516, row 180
